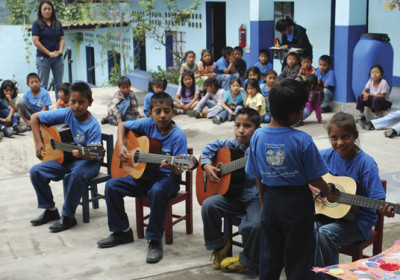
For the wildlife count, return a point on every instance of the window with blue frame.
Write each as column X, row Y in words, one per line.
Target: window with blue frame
column 175, row 47
column 281, row 11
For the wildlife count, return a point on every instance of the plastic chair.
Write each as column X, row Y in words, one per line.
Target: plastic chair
column 229, row 222
column 356, row 250
column 99, row 178
column 170, row 219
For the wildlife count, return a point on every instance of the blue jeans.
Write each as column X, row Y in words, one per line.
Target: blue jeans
column 218, row 206
column 266, row 118
column 4, row 114
column 328, row 96
column 332, row 235
column 56, row 65
column 158, row 194
column 306, row 114
column 76, row 175
column 223, row 115
column 225, row 79
column 123, row 108
column 388, row 120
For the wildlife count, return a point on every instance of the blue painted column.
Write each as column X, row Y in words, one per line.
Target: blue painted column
column 261, row 29
column 350, row 22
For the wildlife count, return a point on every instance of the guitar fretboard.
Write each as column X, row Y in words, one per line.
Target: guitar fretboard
column 366, row 202
column 233, row 166
column 152, row 158
column 68, row 147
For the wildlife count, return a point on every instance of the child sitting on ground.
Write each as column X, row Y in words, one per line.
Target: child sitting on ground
column 156, row 86
column 256, row 101
column 188, row 93
column 306, row 68
column 35, row 99
column 291, row 68
column 189, row 64
column 284, row 161
column 7, row 119
column 263, row 64
column 225, row 68
column 10, row 99
column 326, row 74
column 63, row 96
column 123, row 106
column 314, row 101
column 253, row 73
column 206, row 67
column 232, row 102
column 270, row 79
column 378, row 98
column 240, row 64
column 213, row 92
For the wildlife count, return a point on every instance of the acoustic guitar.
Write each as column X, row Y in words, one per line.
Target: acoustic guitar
column 57, row 139
column 339, row 204
column 146, row 157
column 231, row 162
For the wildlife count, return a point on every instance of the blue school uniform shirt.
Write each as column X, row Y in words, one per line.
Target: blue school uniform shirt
column 264, row 91
column 146, row 104
column 328, row 78
column 174, row 143
column 284, row 156
column 42, row 99
column 250, row 190
column 84, row 133
column 263, row 68
column 48, row 37
column 234, row 102
column 363, row 169
column 220, row 65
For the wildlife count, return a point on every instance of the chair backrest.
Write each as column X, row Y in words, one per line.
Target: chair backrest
column 379, row 224
column 109, row 141
column 188, row 180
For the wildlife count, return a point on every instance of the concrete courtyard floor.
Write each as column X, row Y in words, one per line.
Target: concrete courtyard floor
column 28, row 252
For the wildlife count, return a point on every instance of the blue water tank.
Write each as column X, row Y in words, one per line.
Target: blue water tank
column 371, row 49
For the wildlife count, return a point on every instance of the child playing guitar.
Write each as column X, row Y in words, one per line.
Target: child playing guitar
column 246, row 203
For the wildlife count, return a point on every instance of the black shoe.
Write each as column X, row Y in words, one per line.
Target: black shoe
column 8, row 132
column 28, row 128
column 326, row 110
column 62, row 224
column 116, row 238
column 390, row 133
column 45, row 217
column 367, row 125
column 19, row 129
column 155, row 253
column 113, row 121
column 216, row 120
column 104, row 120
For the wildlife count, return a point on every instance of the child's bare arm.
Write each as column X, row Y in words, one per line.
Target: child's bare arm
column 320, row 184
column 261, row 190
column 45, row 108
column 35, row 123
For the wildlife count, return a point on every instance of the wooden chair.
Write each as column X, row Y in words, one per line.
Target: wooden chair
column 229, row 222
column 171, row 218
column 356, row 250
column 99, row 178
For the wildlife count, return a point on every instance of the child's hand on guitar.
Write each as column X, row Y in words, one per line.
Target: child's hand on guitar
column 123, row 153
column 388, row 211
column 315, row 191
column 39, row 150
column 212, row 173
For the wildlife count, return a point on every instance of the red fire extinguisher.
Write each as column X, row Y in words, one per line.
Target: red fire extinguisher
column 242, row 35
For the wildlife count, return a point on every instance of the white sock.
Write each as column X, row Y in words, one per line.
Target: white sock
column 52, row 208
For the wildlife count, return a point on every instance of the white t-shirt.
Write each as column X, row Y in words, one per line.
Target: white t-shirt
column 383, row 87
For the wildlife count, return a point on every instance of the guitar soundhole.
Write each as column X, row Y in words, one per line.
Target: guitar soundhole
column 335, row 199
column 53, row 144
column 135, row 156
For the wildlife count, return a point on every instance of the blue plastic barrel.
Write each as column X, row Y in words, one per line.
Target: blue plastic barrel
column 371, row 49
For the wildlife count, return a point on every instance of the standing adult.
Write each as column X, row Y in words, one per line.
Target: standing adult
column 48, row 37
column 294, row 36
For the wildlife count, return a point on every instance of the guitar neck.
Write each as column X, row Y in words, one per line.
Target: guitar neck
column 152, row 158
column 68, row 147
column 366, row 202
column 233, row 166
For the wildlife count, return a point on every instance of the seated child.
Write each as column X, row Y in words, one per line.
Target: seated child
column 346, row 159
column 63, row 96
column 284, row 161
column 76, row 172
column 7, row 119
column 378, row 98
column 10, row 96
column 189, row 64
column 383, row 122
column 164, row 185
column 213, row 92
column 291, row 68
column 35, row 99
column 263, row 64
column 326, row 74
column 9, row 100
column 156, row 86
column 306, row 68
column 188, row 93
column 314, row 101
column 256, row 101
column 232, row 102
column 124, row 105
column 246, row 204
column 240, row 64
column 206, row 67
column 225, row 68
column 253, row 73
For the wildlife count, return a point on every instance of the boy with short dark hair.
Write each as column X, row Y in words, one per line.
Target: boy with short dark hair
column 63, row 96
column 124, row 105
column 326, row 74
column 306, row 68
column 225, row 68
column 76, row 173
column 247, row 203
column 240, row 64
column 263, row 64
column 284, row 161
column 159, row 191
column 35, row 99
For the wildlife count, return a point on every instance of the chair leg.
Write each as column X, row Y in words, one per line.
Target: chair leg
column 228, row 234
column 168, row 226
column 94, row 193
column 189, row 216
column 85, row 204
column 139, row 218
